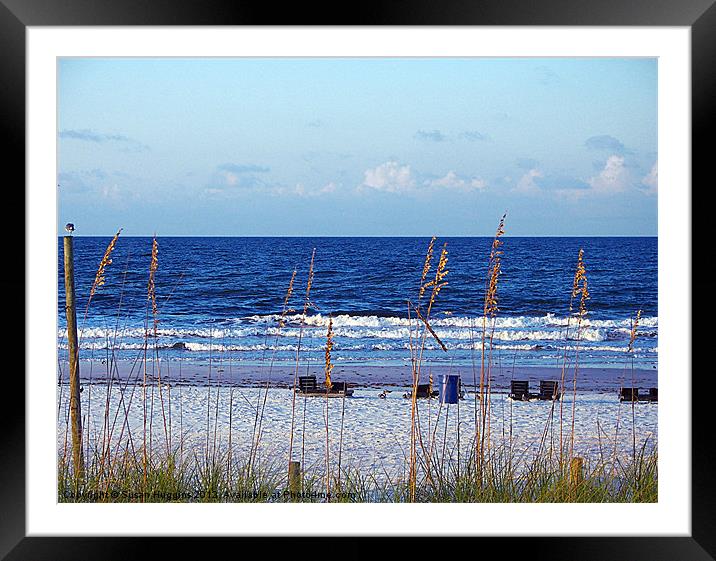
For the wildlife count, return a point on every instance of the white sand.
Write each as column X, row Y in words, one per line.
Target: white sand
column 376, row 432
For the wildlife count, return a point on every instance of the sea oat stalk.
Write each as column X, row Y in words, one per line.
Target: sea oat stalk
column 435, row 285
column 306, row 305
column 99, row 278
column 329, row 385
column 489, row 313
column 261, row 407
column 630, row 350
column 329, row 347
column 579, row 289
column 579, row 271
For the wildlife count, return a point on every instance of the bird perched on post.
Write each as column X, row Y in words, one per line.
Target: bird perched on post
column 70, row 227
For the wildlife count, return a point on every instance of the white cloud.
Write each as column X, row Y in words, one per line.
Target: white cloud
column 390, row 176
column 454, row 181
column 300, row 190
column 236, row 176
column 111, row 192
column 393, row 177
column 613, row 177
column 118, row 196
column 616, row 176
column 527, row 184
column 219, row 189
column 651, row 180
column 328, row 188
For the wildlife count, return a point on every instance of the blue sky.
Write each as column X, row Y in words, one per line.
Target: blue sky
column 310, row 147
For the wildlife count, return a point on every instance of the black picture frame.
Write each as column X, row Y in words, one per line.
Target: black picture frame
column 17, row 15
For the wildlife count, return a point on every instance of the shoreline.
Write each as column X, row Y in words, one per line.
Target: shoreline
column 281, row 375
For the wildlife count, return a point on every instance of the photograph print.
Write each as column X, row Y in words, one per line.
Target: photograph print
column 371, row 280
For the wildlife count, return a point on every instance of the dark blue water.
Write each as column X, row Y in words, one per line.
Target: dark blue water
column 223, row 295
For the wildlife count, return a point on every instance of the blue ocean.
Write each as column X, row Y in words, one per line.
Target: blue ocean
column 224, row 295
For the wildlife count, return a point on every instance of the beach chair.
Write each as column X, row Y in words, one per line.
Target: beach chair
column 548, row 390
column 423, row 392
column 341, row 388
column 307, row 384
column 520, row 390
column 629, row 394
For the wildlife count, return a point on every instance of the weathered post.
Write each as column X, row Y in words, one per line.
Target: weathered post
column 71, row 313
column 294, row 479
column 576, row 471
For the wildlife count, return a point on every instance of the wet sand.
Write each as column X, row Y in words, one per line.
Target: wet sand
column 281, row 375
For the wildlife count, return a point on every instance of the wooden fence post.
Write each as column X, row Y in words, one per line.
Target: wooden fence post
column 294, row 479
column 576, row 471
column 71, row 313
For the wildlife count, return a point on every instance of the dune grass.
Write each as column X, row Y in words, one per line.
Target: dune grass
column 502, row 479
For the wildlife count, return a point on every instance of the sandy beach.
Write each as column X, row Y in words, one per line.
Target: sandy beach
column 376, row 431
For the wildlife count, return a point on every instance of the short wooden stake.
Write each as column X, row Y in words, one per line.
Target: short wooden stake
column 294, row 479
column 576, row 471
column 71, row 313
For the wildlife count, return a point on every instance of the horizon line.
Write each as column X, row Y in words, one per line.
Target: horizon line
column 365, row 236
